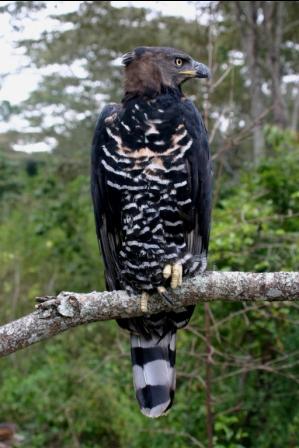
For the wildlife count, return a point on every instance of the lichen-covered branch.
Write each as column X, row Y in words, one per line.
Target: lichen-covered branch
column 56, row 314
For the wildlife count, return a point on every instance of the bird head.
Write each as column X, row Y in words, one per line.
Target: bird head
column 150, row 70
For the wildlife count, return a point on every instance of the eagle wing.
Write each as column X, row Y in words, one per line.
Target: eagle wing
column 200, row 180
column 106, row 202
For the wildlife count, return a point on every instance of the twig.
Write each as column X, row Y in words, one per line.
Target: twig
column 222, row 78
column 235, row 140
column 184, row 434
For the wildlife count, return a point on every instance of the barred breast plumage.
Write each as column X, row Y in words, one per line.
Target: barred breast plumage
column 149, row 171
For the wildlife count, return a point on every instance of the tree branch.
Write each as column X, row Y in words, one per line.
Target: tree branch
column 69, row 309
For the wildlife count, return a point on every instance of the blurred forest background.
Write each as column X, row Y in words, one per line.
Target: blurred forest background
column 238, row 364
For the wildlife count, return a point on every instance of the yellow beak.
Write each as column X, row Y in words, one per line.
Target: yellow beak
column 188, row 72
column 198, row 70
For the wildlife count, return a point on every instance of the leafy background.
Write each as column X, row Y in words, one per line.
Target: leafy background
column 239, row 360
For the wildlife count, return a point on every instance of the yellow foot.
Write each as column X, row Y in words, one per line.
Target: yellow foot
column 167, row 271
column 143, row 302
column 174, row 271
column 176, row 275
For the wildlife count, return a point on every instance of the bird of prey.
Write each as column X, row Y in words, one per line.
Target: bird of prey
column 151, row 190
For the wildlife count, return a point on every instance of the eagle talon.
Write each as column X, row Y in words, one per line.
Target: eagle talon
column 167, row 271
column 177, row 275
column 144, row 302
column 163, row 293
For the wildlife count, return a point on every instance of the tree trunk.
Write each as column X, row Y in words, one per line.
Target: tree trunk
column 247, row 17
column 295, row 114
column 273, row 28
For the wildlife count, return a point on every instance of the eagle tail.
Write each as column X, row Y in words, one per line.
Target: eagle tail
column 154, row 375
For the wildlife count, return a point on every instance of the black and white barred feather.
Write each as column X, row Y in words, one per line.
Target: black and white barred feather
column 151, row 191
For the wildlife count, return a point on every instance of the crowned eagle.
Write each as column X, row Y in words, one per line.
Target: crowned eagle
column 151, row 190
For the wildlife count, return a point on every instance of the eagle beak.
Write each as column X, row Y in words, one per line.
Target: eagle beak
column 201, row 70
column 198, row 70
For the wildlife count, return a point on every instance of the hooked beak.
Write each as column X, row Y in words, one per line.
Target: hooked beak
column 202, row 71
column 198, row 70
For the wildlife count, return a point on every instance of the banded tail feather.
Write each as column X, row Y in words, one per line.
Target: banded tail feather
column 154, row 374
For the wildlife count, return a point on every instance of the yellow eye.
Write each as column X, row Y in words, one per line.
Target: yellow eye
column 178, row 62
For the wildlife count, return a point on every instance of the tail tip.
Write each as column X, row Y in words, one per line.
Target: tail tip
column 158, row 411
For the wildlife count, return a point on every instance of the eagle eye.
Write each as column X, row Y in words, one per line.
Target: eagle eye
column 178, row 62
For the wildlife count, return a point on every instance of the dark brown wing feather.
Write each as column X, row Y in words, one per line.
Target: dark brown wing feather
column 106, row 204
column 200, row 172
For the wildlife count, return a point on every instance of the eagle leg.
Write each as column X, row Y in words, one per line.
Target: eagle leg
column 167, row 271
column 175, row 272
column 144, row 301
column 177, row 275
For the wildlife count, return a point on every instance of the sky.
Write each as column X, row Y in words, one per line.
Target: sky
column 17, row 85
column 18, row 78
column 19, row 81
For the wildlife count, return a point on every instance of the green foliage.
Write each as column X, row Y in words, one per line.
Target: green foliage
column 76, row 389
column 260, row 215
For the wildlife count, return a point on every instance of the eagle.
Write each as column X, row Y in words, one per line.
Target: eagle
column 151, row 191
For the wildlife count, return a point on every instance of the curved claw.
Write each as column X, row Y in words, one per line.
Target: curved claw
column 163, row 293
